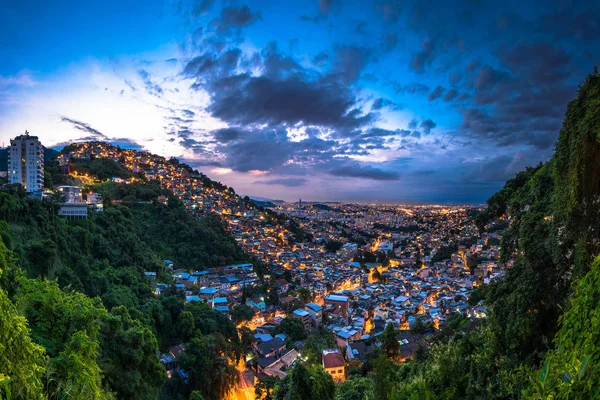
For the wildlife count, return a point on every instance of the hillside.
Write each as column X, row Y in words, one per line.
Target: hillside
column 95, row 324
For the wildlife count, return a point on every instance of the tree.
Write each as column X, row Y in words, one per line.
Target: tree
column 384, row 377
column 74, row 373
column 196, row 395
column 206, row 360
column 129, row 357
column 242, row 312
column 389, row 341
column 293, row 327
column 24, row 364
column 265, row 388
column 306, row 383
column 418, row 326
column 304, row 294
column 359, row 388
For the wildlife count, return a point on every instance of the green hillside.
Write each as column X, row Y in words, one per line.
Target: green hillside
column 95, row 325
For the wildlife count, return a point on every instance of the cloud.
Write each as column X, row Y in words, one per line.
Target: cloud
column 366, row 172
column 473, row 66
column 245, row 100
column 489, row 77
column 23, row 78
column 349, row 63
column 201, row 7
column 423, row 58
column 233, row 18
column 381, row 103
column 450, row 95
column 227, row 135
column 436, row 93
column 428, row 125
column 412, row 88
column 325, row 6
column 320, row 57
column 288, row 182
column 390, row 40
column 82, row 126
column 96, row 135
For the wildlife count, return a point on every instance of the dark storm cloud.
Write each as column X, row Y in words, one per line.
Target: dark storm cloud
column 423, row 58
column 289, row 182
column 473, row 66
column 379, row 132
column 357, row 171
column 436, row 93
column 450, row 95
column 84, row 127
column 412, row 88
column 235, row 18
column 427, row 125
column 489, row 77
column 320, row 57
column 380, row 103
column 390, row 10
column 243, row 100
column 201, row 7
column 455, row 77
column 390, row 40
column 349, row 63
column 227, row 135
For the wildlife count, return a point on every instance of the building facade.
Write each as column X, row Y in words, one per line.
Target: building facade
column 26, row 162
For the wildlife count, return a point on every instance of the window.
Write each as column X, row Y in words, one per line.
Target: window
column 340, row 371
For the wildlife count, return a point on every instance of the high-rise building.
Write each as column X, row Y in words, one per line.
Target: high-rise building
column 26, row 162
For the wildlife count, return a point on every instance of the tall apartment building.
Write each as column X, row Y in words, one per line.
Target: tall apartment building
column 26, row 162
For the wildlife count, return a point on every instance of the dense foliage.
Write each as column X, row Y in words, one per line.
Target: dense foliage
column 88, row 324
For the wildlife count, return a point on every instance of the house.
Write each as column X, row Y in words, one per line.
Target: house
column 359, row 349
column 333, row 362
column 189, row 299
column 339, row 304
column 282, row 286
column 257, row 302
column 409, row 343
column 272, row 348
column 316, row 313
column 303, row 316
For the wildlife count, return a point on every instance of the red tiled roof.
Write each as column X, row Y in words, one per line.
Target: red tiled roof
column 333, row 360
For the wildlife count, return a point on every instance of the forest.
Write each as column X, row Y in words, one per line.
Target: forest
column 80, row 321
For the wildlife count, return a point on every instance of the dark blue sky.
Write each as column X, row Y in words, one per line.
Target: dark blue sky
column 428, row 101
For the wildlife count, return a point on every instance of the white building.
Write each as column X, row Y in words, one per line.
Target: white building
column 71, row 194
column 26, row 162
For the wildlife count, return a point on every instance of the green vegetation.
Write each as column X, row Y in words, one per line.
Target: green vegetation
column 88, row 325
column 101, row 168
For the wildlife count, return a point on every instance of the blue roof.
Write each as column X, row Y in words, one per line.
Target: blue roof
column 301, row 313
column 220, row 300
column 221, row 308
column 314, row 306
column 335, row 297
column 208, row 290
column 191, row 298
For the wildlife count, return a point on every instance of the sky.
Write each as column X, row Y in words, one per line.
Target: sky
column 324, row 100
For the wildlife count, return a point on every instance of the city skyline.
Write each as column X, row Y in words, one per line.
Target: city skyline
column 320, row 100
